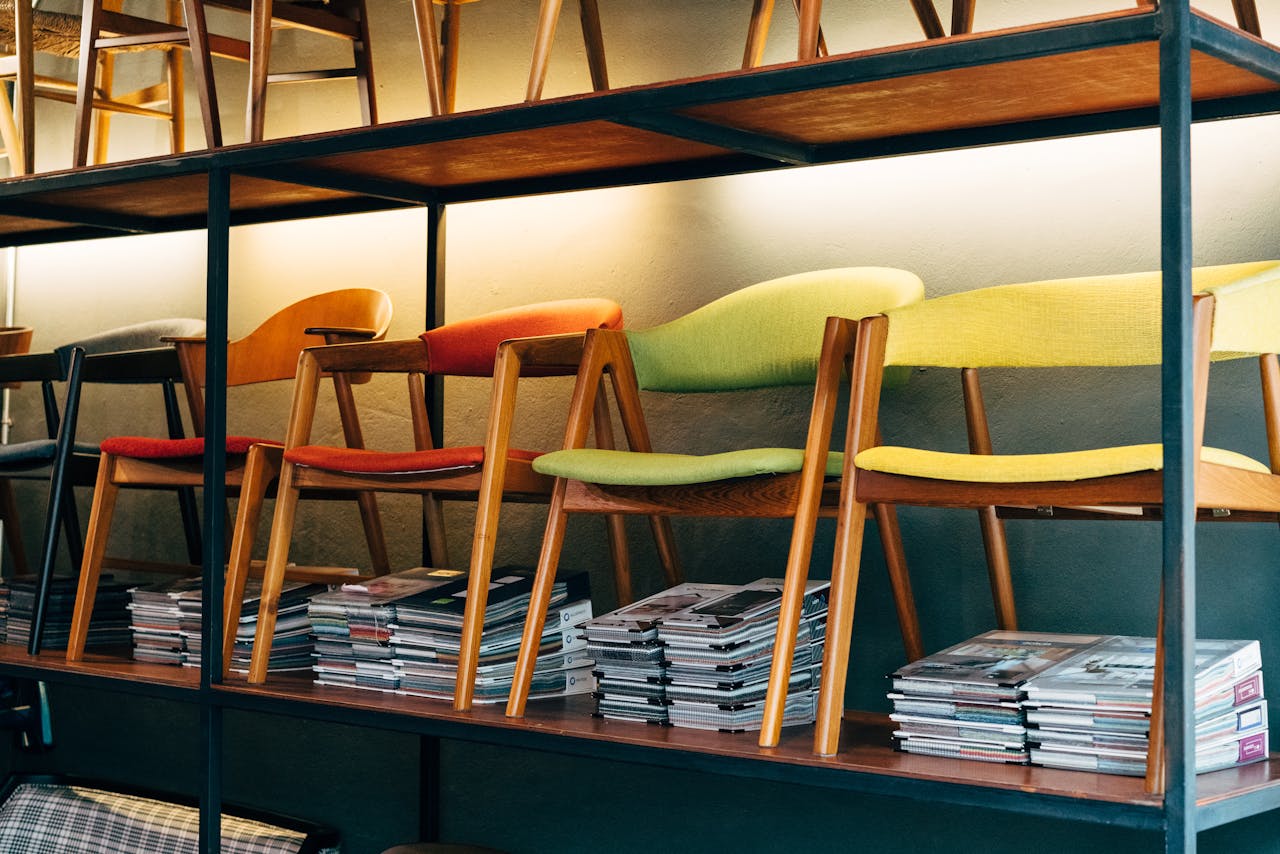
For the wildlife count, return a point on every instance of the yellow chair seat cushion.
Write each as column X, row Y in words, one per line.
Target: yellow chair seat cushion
column 1033, row 468
column 631, row 468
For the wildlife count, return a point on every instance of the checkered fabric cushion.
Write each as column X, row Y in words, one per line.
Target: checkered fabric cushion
column 41, row 818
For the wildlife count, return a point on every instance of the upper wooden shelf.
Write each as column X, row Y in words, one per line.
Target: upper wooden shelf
column 1062, row 78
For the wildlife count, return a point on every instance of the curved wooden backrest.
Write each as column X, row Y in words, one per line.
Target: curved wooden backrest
column 270, row 352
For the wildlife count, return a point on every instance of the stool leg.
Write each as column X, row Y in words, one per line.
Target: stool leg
column 24, row 85
column 548, row 15
column 429, row 49
column 452, row 32
column 174, row 88
column 810, row 21
column 757, row 33
column 202, row 64
column 259, row 58
column 593, row 38
column 362, row 59
column 86, row 77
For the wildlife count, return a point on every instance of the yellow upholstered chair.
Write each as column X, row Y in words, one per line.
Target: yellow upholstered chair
column 1105, row 321
column 768, row 335
column 488, row 474
column 270, row 352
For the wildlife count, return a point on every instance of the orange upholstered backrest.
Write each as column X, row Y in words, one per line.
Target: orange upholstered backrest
column 467, row 347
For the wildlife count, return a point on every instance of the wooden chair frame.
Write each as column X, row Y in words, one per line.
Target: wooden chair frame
column 803, row 497
column 1249, row 495
column 489, row 486
column 250, row 478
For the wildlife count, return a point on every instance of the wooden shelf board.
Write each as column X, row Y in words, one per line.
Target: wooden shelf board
column 107, row 666
column 934, row 92
column 865, row 746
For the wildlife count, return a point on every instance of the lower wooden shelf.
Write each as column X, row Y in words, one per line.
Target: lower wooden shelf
column 866, row 762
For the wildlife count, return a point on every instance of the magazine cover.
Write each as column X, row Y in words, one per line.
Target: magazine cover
column 995, row 664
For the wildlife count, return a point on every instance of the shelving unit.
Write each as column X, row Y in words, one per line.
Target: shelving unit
column 1128, row 69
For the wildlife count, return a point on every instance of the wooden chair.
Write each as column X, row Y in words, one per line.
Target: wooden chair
column 132, row 355
column 268, row 353
column 1100, row 322
column 30, row 31
column 764, row 336
column 488, row 474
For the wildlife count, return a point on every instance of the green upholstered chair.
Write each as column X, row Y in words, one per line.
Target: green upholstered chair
column 488, row 474
column 1099, row 322
column 764, row 336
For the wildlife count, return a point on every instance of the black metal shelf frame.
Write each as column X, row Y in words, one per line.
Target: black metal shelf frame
column 1178, row 33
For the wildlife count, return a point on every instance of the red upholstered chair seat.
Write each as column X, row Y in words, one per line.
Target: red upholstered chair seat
column 146, row 448
column 465, row 348
column 395, row 462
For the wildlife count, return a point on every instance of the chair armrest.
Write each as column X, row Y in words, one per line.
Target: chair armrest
column 154, row 364
column 352, row 332
column 31, row 367
column 548, row 355
column 401, row 356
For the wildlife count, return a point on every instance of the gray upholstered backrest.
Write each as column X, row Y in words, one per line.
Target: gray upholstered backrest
column 138, row 336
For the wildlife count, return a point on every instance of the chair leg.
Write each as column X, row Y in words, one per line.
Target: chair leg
column 261, row 465
column 544, row 580
column 620, row 557
column 12, row 527
column 433, row 529
column 900, row 580
column 757, row 33
column 273, row 575
column 1155, row 778
column 105, row 493
column 665, row 541
column 371, row 521
column 835, row 658
column 106, row 80
column 998, row 569
column 593, row 38
column 548, row 16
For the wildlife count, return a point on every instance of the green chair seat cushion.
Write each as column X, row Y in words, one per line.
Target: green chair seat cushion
column 1033, row 468
column 631, row 468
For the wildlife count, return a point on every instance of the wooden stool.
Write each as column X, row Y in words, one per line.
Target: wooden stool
column 105, row 30
column 28, row 32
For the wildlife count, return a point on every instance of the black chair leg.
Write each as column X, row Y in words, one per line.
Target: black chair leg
column 59, row 488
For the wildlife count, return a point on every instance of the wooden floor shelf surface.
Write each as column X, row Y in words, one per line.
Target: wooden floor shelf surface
column 1061, row 78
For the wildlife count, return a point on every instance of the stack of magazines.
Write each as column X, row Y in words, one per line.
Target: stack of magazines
column 426, row 636
column 351, row 626
column 631, row 671
column 965, row 701
column 108, row 627
column 156, row 620
column 1094, row 711
column 402, row 633
column 165, row 621
column 719, row 654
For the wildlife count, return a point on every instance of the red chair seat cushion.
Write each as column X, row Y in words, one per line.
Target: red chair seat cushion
column 357, row 461
column 147, row 448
